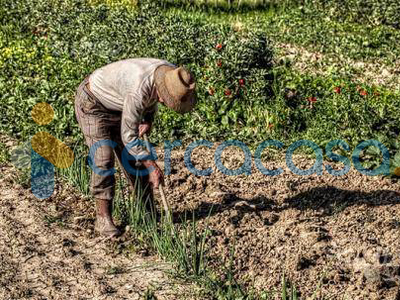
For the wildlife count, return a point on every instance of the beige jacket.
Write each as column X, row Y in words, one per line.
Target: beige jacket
column 128, row 86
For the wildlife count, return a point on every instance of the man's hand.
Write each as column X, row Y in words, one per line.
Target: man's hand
column 156, row 177
column 144, row 128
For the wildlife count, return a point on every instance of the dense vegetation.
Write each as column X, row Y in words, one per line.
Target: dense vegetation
column 48, row 47
column 333, row 79
column 361, row 11
column 49, row 50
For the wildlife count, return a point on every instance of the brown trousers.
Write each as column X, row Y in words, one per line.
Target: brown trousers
column 97, row 124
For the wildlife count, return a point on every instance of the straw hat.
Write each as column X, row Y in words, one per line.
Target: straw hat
column 176, row 86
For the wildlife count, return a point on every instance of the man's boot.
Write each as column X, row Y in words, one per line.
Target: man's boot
column 104, row 223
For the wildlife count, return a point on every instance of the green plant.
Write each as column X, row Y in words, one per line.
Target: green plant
column 395, row 165
column 4, row 154
column 23, row 177
column 373, row 12
column 221, row 5
column 364, row 11
column 149, row 295
column 181, row 244
column 49, row 48
column 78, row 174
column 288, row 293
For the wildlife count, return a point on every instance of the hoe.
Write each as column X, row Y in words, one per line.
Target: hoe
column 161, row 186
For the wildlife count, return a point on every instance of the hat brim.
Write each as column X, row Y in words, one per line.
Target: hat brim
column 184, row 105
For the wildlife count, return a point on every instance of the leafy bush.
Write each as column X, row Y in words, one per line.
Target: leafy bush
column 48, row 47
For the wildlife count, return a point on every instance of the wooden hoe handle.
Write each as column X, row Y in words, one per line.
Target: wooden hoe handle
column 161, row 186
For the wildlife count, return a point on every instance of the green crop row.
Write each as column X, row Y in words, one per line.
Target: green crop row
column 373, row 12
column 315, row 30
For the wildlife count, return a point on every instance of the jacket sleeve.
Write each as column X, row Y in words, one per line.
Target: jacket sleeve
column 132, row 113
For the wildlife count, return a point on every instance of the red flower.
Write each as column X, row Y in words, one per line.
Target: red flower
column 241, row 82
column 219, row 63
column 218, row 46
column 337, row 90
column 363, row 93
column 227, row 92
column 312, row 99
column 211, row 91
column 270, row 125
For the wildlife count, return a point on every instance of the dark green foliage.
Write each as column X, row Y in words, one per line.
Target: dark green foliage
column 340, row 48
column 4, row 154
column 223, row 5
column 374, row 12
column 48, row 47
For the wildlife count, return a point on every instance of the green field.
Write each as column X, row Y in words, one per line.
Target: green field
column 286, row 55
column 284, row 70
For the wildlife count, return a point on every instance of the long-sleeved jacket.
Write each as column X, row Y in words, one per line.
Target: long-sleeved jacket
column 128, row 86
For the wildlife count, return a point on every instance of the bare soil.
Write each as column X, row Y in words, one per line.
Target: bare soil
column 332, row 237
column 48, row 250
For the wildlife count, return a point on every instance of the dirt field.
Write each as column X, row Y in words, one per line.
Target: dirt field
column 333, row 237
column 48, row 251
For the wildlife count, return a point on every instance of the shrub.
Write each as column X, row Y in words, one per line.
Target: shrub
column 49, row 47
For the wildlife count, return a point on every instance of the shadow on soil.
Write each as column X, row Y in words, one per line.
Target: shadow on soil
column 333, row 200
column 328, row 200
